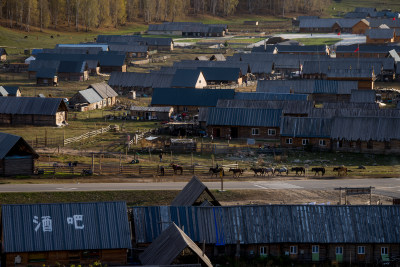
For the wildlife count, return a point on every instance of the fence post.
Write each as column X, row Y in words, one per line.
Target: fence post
column 92, row 162
column 45, row 137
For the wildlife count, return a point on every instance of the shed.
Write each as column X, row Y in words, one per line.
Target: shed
column 16, row 156
column 380, row 36
column 169, row 245
column 3, row 54
column 10, row 91
column 106, row 92
column 191, row 193
column 151, row 113
column 86, row 100
column 67, row 233
column 47, row 77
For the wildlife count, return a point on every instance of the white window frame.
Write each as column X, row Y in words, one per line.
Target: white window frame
column 384, row 251
column 293, row 250
column 361, row 250
column 263, row 251
column 272, row 132
column 322, row 142
column 305, row 142
column 315, row 249
column 339, row 250
column 289, row 141
column 254, row 130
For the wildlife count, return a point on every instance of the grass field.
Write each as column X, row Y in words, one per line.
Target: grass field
column 318, row 41
column 350, row 5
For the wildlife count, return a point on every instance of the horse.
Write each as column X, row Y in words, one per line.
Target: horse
column 216, row 171
column 318, row 170
column 258, row 171
column 298, row 169
column 282, row 170
column 342, row 171
column 176, row 168
column 236, row 172
column 269, row 170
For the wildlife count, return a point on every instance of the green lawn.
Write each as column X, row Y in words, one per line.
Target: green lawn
column 350, row 5
column 318, row 41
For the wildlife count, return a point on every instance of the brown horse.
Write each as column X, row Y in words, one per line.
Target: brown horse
column 342, row 171
column 176, row 168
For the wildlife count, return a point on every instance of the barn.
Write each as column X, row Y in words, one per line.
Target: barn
column 47, row 77
column 188, row 78
column 380, row 36
column 73, row 71
column 16, row 156
column 65, row 234
column 33, row 111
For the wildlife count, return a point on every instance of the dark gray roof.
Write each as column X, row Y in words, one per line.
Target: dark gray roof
column 271, row 96
column 380, row 33
column 363, row 96
column 133, row 79
column 193, row 64
column 366, row 128
column 258, row 67
column 129, row 39
column 306, row 127
column 375, row 23
column 355, row 15
column 104, row 47
column 366, row 48
column 191, row 192
column 129, row 48
column 3, row 51
column 103, row 89
column 315, row 224
column 368, row 10
column 46, row 73
column 190, row 96
column 30, row 105
column 347, row 105
column 169, row 245
column 38, row 64
column 289, row 61
column 244, row 117
column 72, row 66
column 73, row 50
column 186, row 78
column 300, row 48
column 351, row 73
column 8, row 141
column 226, row 74
column 328, row 23
column 197, row 27
column 9, row 90
column 151, row 109
column 353, row 112
column 288, row 107
column 102, row 225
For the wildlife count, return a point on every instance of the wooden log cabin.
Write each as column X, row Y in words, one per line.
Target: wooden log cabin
column 35, row 111
column 65, row 234
column 361, row 235
column 16, row 156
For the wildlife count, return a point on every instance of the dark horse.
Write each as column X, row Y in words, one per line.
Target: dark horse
column 216, row 171
column 176, row 168
column 258, row 171
column 318, row 170
column 298, row 170
column 236, row 172
column 342, row 171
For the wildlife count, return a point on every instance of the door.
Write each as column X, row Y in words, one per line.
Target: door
column 234, row 132
column 217, row 132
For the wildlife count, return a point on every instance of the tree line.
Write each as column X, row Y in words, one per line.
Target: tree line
column 89, row 14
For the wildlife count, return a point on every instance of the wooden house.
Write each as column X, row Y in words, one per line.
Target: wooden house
column 225, row 231
column 360, row 27
column 151, row 113
column 322, row 50
column 86, row 100
column 47, row 77
column 10, row 91
column 153, row 43
column 33, row 111
column 65, row 234
column 218, row 76
column 244, row 123
column 41, row 65
column 194, row 29
column 365, row 77
column 173, row 246
column 187, row 78
column 380, row 36
column 108, row 94
column 250, row 22
column 306, row 132
column 131, row 51
column 336, row 25
column 189, row 100
column 16, row 156
column 73, row 71
column 112, row 62
column 198, row 64
column 360, row 51
column 3, row 55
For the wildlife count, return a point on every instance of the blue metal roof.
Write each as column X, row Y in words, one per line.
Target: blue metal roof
column 68, row 226
column 306, row 127
column 220, row 74
column 271, row 96
column 46, row 73
column 104, row 47
column 244, row 117
column 30, row 105
column 72, row 66
column 190, row 96
column 185, row 78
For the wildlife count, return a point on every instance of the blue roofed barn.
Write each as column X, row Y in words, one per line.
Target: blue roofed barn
column 69, row 233
column 47, row 77
column 188, row 78
column 216, row 75
column 73, row 71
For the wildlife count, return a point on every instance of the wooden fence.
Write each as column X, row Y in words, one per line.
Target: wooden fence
column 86, row 135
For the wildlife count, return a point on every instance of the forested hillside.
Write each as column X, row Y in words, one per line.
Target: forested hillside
column 88, row 14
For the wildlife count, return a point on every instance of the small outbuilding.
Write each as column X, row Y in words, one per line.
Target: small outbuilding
column 16, row 156
column 151, row 113
column 3, row 54
column 47, row 77
column 106, row 92
column 86, row 100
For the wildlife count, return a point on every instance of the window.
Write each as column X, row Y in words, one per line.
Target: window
column 305, row 142
column 263, row 251
column 185, row 109
column 255, row 131
column 289, row 141
column 271, row 132
column 315, row 249
column 384, row 251
column 293, row 249
column 322, row 142
column 199, row 81
column 370, row 144
column 361, row 250
column 339, row 250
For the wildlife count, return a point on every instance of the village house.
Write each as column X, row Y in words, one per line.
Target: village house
column 380, row 36
column 187, row 78
column 46, row 77
column 244, row 123
column 65, row 234
column 153, row 43
column 189, row 100
column 193, row 29
column 10, row 91
column 225, row 231
column 198, row 64
column 35, row 111
column 336, row 25
column 108, row 94
column 38, row 65
column 131, row 51
column 3, row 54
column 112, row 62
column 360, row 51
column 218, row 76
column 17, row 157
column 365, row 77
column 73, row 71
column 86, row 100
column 103, row 47
column 151, row 113
column 303, row 49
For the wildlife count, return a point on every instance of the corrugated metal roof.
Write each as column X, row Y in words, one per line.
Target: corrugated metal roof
column 220, row 74
column 66, row 226
column 271, row 96
column 169, row 245
column 46, row 73
column 11, row 90
column 328, row 23
column 288, row 107
column 191, row 192
column 363, row 96
column 380, row 33
column 186, row 78
column 244, row 117
column 30, row 105
column 127, row 48
column 300, row 48
column 353, row 112
column 8, row 141
column 72, row 66
column 194, row 64
column 39, row 64
column 348, row 105
column 103, row 89
column 73, row 50
column 151, row 109
column 314, row 224
column 104, row 47
column 151, row 41
column 133, row 79
column 190, row 96
column 91, row 96
column 366, row 48
column 306, row 127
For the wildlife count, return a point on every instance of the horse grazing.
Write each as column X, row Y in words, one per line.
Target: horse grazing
column 216, row 171
column 282, row 170
column 342, row 171
column 176, row 168
column 258, row 171
column 298, row 170
column 318, row 170
column 236, row 172
column 269, row 170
